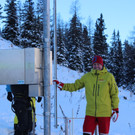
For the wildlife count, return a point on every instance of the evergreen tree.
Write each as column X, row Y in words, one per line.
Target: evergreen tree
column 100, row 45
column 132, row 61
column 19, row 16
column 129, row 65
column 61, row 49
column 0, row 18
column 28, row 25
column 10, row 30
column 119, row 60
column 39, row 24
column 133, row 67
column 112, row 54
column 0, row 12
column 116, row 58
column 90, row 29
column 65, row 32
column 74, row 43
column 87, row 53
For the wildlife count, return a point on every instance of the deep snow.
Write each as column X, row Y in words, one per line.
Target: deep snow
column 73, row 105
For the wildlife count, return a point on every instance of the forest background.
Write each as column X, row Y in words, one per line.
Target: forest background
column 76, row 43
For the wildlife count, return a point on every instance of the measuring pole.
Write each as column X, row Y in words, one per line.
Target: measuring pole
column 96, row 131
column 55, row 62
column 66, row 126
column 72, row 121
column 46, row 42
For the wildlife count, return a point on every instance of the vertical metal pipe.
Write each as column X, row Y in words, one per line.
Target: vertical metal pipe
column 46, row 42
column 72, row 122
column 55, row 62
column 66, row 126
column 96, row 130
column 69, row 127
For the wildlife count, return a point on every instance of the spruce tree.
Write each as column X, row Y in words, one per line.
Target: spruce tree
column 116, row 58
column 112, row 54
column 19, row 16
column 61, row 49
column 39, row 24
column 74, row 43
column 119, row 60
column 28, row 25
column 0, row 12
column 90, row 29
column 100, row 45
column 10, row 30
column 65, row 32
column 0, row 18
column 129, row 65
column 133, row 67
column 87, row 53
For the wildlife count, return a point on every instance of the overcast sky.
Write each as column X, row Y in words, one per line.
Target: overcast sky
column 118, row 14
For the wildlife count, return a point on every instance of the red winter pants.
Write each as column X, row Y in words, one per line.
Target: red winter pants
column 91, row 122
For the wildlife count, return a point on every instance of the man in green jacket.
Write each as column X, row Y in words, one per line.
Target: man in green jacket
column 101, row 94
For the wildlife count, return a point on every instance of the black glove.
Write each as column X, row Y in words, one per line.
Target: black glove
column 9, row 96
column 39, row 99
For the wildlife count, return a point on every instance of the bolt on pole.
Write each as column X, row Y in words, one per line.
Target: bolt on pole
column 46, row 42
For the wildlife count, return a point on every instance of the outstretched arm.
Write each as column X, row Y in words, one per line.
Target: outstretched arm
column 70, row 86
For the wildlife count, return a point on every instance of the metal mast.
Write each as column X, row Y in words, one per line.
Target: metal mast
column 46, row 42
column 55, row 62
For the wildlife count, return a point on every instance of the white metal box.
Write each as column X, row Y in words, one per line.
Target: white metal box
column 21, row 66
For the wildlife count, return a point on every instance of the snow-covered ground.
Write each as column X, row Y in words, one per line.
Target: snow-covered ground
column 73, row 106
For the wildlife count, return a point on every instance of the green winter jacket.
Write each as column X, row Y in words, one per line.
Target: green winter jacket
column 101, row 92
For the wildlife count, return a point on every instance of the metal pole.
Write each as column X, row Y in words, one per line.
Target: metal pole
column 66, row 126
column 96, row 131
column 55, row 62
column 69, row 127
column 46, row 42
column 72, row 121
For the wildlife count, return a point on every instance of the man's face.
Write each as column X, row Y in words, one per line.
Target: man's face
column 97, row 66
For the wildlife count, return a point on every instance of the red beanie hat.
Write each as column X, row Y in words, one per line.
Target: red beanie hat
column 97, row 59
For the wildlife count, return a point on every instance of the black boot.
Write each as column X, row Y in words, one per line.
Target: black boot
column 87, row 134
